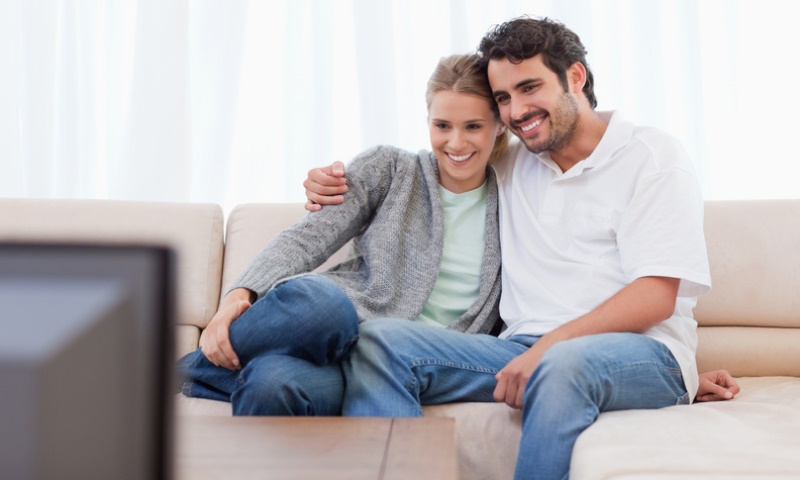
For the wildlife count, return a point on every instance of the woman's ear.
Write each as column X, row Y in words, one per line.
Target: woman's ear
column 501, row 129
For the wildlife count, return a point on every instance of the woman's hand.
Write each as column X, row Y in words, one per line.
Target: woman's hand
column 215, row 340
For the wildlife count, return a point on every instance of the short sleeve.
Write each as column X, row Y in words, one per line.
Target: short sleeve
column 661, row 233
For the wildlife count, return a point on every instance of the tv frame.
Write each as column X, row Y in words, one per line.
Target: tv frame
column 146, row 273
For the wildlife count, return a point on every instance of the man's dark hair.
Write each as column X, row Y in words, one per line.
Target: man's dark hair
column 524, row 37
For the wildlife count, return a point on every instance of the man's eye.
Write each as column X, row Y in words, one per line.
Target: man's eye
column 502, row 99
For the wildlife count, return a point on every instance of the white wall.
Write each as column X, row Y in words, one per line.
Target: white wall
column 232, row 102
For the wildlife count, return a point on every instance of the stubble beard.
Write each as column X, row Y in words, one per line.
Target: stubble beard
column 563, row 125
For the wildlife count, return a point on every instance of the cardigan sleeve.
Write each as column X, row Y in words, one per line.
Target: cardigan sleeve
column 306, row 245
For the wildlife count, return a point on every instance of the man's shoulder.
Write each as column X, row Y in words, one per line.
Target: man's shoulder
column 654, row 137
column 661, row 148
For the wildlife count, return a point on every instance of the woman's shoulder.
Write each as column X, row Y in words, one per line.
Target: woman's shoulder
column 390, row 158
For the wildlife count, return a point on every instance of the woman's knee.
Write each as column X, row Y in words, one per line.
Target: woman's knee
column 319, row 297
column 284, row 385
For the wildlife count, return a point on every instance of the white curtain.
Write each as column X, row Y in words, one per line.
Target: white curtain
column 232, row 102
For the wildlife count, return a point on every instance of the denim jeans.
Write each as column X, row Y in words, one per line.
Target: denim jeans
column 399, row 365
column 289, row 343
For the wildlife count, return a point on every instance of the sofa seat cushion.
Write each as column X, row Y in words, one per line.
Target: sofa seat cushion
column 200, row 407
column 754, row 436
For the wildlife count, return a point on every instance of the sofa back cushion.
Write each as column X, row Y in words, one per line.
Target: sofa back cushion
column 251, row 226
column 750, row 322
column 194, row 231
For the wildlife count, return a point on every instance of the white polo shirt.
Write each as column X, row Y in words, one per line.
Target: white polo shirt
column 571, row 240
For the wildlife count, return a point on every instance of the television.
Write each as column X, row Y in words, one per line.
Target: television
column 86, row 361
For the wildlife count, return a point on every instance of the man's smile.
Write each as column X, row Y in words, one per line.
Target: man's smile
column 529, row 125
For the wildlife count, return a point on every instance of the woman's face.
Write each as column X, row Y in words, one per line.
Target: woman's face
column 463, row 130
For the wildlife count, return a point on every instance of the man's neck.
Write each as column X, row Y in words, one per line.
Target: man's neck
column 590, row 130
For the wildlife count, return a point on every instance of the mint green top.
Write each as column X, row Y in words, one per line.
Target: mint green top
column 393, row 213
column 458, row 284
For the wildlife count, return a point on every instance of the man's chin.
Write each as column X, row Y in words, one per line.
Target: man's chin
column 535, row 147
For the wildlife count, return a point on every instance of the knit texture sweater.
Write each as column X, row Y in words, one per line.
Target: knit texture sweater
column 393, row 214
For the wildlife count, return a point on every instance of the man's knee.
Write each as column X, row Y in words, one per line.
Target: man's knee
column 568, row 357
column 585, row 355
column 576, row 365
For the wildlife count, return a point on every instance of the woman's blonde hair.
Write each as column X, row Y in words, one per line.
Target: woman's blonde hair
column 465, row 74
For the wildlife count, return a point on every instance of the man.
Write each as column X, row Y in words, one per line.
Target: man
column 603, row 258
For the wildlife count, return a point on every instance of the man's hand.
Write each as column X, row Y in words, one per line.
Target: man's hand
column 716, row 385
column 325, row 186
column 511, row 380
column 215, row 340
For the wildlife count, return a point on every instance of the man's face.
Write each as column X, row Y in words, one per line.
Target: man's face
column 533, row 103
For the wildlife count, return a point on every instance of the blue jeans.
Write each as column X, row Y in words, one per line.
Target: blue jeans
column 399, row 365
column 289, row 343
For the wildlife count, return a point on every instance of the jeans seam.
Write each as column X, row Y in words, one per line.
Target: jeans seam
column 442, row 363
column 618, row 367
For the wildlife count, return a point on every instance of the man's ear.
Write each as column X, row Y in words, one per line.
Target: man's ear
column 576, row 75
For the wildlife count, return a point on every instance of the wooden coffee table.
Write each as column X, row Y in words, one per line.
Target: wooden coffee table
column 311, row 448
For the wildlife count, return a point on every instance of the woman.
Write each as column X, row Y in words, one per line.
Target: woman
column 426, row 247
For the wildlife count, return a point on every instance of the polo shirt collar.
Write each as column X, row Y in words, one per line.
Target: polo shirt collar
column 617, row 135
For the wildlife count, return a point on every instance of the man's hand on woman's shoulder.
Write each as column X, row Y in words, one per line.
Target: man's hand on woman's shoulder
column 325, row 186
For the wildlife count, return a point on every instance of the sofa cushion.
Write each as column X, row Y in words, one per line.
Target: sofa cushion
column 754, row 436
column 192, row 230
column 251, row 226
column 749, row 351
column 200, row 407
column 754, row 258
column 750, row 322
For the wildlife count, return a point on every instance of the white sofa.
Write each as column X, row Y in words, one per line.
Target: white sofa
column 749, row 324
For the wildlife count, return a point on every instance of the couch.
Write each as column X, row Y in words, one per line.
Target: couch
column 749, row 324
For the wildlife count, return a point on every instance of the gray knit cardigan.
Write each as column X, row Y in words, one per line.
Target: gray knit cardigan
column 393, row 212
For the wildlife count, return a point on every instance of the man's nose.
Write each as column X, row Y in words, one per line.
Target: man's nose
column 518, row 110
